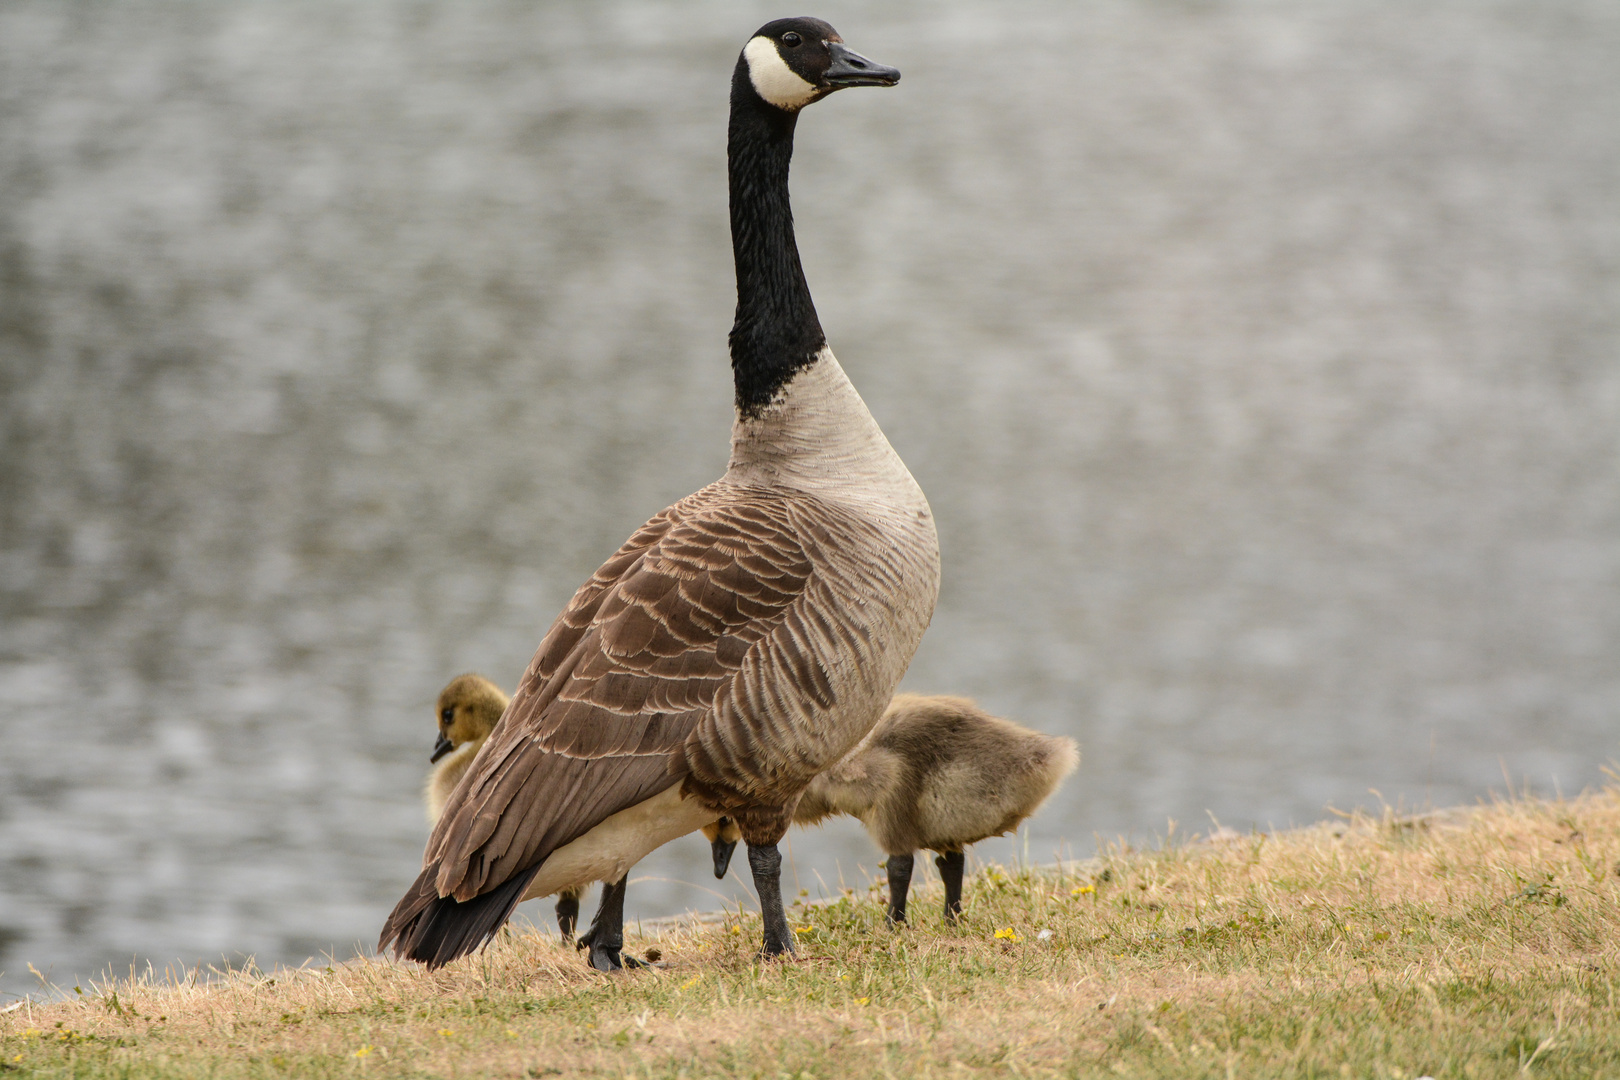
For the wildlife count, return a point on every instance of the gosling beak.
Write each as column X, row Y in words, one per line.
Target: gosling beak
column 850, row 68
column 722, row 854
column 441, row 748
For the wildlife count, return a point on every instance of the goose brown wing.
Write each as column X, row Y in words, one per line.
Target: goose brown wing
column 622, row 678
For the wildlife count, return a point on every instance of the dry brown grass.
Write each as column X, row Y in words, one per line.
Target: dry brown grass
column 1475, row 943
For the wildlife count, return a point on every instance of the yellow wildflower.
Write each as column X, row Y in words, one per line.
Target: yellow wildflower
column 1082, row 890
column 863, row 1001
column 1007, row 933
column 693, row 981
column 364, row 1051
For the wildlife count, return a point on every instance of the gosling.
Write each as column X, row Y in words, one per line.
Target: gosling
column 938, row 773
column 467, row 711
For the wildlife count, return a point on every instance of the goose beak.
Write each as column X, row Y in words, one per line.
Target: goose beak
column 440, row 748
column 850, row 68
column 722, row 854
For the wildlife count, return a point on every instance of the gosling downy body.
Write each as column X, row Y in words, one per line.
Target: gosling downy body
column 741, row 641
column 938, row 773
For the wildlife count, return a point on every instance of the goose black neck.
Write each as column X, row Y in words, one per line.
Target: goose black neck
column 776, row 333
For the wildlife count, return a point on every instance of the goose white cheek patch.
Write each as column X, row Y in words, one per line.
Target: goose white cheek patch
column 773, row 80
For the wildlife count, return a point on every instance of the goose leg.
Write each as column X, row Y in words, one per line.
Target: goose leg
column 950, row 871
column 766, row 863
column 899, row 885
column 567, row 915
column 605, row 938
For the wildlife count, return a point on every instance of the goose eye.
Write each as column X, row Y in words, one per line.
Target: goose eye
column 792, row 40
column 447, row 715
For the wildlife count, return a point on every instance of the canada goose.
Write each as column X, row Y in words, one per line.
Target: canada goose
column 937, row 773
column 742, row 640
column 467, row 710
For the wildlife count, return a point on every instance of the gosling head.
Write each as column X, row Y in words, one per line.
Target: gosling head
column 791, row 63
column 722, row 836
column 468, row 709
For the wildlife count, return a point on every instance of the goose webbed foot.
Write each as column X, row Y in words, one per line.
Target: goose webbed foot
column 567, row 915
column 766, row 863
column 950, row 871
column 899, row 867
column 604, row 941
column 611, row 957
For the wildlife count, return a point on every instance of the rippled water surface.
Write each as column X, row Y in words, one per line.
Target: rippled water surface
column 1261, row 361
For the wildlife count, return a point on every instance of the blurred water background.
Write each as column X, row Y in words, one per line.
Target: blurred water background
column 1261, row 361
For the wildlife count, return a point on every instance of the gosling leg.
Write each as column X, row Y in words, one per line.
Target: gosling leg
column 950, row 871
column 605, row 938
column 899, row 885
column 567, row 914
column 766, row 863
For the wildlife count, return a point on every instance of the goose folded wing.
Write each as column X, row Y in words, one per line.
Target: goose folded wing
column 778, row 721
column 622, row 678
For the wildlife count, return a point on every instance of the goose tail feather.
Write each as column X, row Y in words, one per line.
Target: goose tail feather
column 434, row 930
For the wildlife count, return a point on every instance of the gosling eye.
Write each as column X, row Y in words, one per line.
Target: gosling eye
column 447, row 715
column 792, row 40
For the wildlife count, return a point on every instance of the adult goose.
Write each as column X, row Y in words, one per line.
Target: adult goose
column 742, row 640
column 468, row 707
column 938, row 773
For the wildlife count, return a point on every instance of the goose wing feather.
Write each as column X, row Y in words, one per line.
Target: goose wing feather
column 700, row 612
column 620, row 682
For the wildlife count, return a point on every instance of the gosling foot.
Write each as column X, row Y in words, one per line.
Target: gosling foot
column 951, row 864
column 567, row 916
column 900, row 867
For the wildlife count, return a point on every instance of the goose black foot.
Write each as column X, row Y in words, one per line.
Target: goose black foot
column 605, row 957
column 899, row 885
column 766, row 863
column 950, row 871
column 605, row 939
column 567, row 916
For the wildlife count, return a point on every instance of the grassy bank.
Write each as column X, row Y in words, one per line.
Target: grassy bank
column 1477, row 943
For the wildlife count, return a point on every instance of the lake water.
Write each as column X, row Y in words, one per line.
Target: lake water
column 1261, row 361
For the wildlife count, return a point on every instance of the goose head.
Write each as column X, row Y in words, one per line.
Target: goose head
column 791, row 63
column 467, row 711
